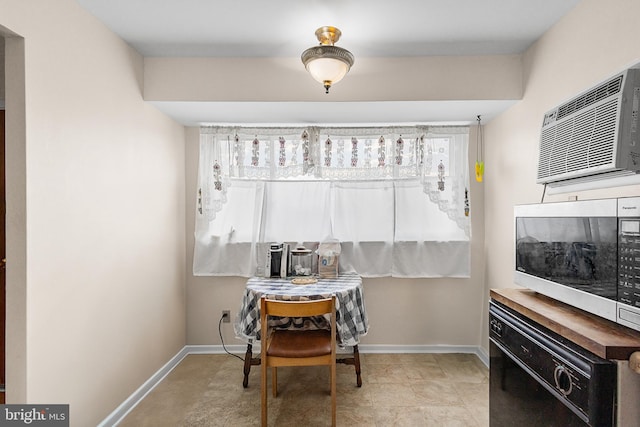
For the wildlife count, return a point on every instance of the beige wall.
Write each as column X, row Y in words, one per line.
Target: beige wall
column 96, row 252
column 592, row 42
column 456, row 78
column 402, row 312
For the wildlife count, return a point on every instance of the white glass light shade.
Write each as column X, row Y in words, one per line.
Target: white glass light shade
column 327, row 70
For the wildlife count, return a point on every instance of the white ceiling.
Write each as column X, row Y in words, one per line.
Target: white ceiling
column 373, row 28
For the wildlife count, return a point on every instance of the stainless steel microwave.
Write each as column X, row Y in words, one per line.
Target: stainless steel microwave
column 584, row 253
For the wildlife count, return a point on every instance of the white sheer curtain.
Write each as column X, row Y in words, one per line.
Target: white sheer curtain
column 365, row 221
column 396, row 198
column 227, row 245
column 447, row 147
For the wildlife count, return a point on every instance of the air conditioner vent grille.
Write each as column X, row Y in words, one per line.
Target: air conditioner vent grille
column 547, row 137
column 578, row 152
column 598, row 93
column 581, row 143
column 601, row 150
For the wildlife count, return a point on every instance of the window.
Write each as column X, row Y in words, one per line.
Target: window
column 394, row 197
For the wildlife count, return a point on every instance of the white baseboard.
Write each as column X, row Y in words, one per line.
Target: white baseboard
column 483, row 356
column 364, row 348
column 478, row 351
column 136, row 397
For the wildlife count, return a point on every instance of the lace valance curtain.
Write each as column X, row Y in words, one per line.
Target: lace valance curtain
column 396, row 197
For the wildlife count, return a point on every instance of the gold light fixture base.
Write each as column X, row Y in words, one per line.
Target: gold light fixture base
column 328, row 36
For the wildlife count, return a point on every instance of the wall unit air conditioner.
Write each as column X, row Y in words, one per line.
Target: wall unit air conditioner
column 594, row 135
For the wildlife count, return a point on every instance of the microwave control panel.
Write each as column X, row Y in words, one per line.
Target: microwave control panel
column 629, row 261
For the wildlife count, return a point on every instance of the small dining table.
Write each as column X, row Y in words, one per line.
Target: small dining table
column 351, row 314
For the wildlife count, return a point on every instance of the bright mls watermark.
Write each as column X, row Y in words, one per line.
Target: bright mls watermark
column 34, row 415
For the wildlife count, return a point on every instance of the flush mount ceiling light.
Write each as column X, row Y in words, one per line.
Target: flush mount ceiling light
column 327, row 63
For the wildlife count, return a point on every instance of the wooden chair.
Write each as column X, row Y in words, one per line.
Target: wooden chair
column 295, row 347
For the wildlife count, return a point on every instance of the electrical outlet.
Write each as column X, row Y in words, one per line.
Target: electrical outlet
column 226, row 316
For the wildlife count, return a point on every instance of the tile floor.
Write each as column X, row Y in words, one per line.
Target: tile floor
column 398, row 390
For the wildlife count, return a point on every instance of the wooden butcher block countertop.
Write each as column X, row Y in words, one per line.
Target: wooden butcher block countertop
column 600, row 336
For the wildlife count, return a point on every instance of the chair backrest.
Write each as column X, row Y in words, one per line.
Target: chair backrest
column 298, row 308
column 311, row 308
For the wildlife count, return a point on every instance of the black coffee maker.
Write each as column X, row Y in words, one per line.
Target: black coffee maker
column 278, row 260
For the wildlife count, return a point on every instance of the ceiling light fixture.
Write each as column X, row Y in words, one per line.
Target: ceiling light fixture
column 327, row 63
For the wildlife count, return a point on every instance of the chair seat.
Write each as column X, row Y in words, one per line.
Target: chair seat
column 287, row 343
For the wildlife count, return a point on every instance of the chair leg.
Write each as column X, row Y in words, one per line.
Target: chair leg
column 333, row 395
column 274, row 381
column 263, row 393
column 356, row 361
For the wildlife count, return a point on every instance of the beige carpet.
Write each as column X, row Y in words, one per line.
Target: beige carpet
column 398, row 390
